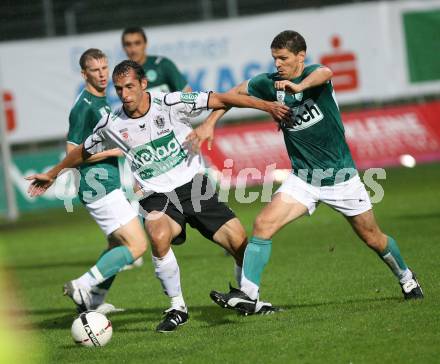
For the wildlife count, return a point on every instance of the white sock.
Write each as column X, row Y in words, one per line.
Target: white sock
column 237, row 273
column 87, row 281
column 178, row 303
column 168, row 272
column 406, row 276
column 250, row 288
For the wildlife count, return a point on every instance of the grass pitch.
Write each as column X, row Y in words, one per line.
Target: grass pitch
column 342, row 305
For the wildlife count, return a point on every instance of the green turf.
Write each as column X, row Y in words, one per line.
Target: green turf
column 342, row 305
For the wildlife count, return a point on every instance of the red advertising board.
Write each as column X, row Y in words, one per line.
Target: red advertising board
column 377, row 138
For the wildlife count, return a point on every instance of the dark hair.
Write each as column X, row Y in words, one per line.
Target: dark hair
column 124, row 68
column 291, row 40
column 133, row 30
column 91, row 53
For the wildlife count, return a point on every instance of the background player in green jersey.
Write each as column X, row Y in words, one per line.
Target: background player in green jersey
column 106, row 203
column 162, row 74
column 322, row 169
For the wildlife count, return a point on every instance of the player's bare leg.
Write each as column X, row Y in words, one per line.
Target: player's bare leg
column 131, row 243
column 279, row 212
column 367, row 229
column 161, row 230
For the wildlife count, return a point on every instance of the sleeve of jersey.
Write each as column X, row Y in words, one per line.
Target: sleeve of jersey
column 76, row 126
column 176, row 80
column 309, row 69
column 190, row 104
column 96, row 142
column 259, row 86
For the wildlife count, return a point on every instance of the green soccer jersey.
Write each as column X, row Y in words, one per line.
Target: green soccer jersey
column 84, row 116
column 163, row 75
column 315, row 139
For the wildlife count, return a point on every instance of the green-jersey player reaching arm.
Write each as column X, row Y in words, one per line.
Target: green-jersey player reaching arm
column 322, row 169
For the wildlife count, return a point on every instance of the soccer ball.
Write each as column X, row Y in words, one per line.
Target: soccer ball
column 92, row 328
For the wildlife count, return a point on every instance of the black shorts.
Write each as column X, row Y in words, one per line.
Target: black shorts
column 202, row 211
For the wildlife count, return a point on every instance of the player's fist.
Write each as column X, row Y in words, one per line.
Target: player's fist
column 279, row 111
column 287, row 85
column 39, row 185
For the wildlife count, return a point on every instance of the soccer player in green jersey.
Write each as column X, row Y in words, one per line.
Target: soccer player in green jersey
column 106, row 204
column 322, row 169
column 162, row 74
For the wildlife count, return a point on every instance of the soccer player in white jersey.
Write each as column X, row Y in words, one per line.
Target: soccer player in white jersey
column 150, row 128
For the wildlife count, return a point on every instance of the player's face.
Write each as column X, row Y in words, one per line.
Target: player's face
column 288, row 63
column 131, row 91
column 96, row 73
column 134, row 46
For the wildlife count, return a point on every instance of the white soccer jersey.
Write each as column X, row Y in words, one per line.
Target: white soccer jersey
column 153, row 143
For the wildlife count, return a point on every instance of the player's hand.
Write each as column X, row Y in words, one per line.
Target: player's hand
column 197, row 137
column 279, row 111
column 39, row 185
column 287, row 85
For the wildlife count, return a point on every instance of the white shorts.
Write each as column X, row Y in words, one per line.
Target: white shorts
column 111, row 211
column 349, row 198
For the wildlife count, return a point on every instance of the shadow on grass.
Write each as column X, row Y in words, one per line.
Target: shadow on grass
column 123, row 321
column 343, row 302
column 131, row 319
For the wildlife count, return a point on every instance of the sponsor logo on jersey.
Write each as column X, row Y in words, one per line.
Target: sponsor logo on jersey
column 157, row 101
column 189, row 97
column 159, row 121
column 163, row 132
column 151, row 75
column 158, row 156
column 305, row 116
column 142, row 126
column 281, row 96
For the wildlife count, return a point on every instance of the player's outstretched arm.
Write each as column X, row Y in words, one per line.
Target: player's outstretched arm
column 205, row 131
column 98, row 157
column 318, row 77
column 223, row 100
column 42, row 181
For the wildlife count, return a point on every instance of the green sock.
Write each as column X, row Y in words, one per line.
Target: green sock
column 256, row 257
column 391, row 256
column 111, row 263
column 109, row 281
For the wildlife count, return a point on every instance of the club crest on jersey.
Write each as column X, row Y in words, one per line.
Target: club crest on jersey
column 281, row 96
column 298, row 96
column 151, row 75
column 159, row 121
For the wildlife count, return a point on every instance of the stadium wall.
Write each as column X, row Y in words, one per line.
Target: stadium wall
column 378, row 51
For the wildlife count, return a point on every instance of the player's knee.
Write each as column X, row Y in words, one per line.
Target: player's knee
column 263, row 227
column 159, row 236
